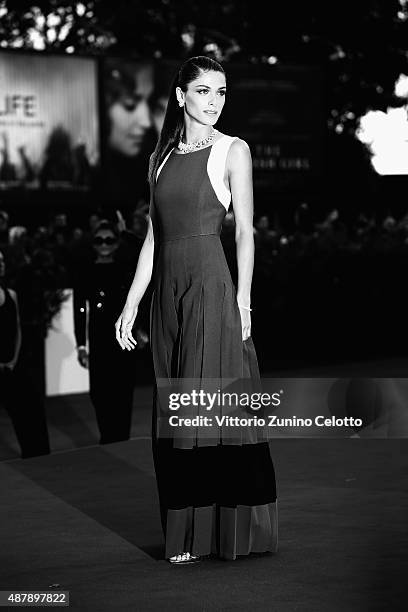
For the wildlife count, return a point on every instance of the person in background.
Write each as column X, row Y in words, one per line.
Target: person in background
column 8, row 172
column 18, row 396
column 59, row 239
column 4, row 229
column 58, row 166
column 82, row 247
column 263, row 232
column 138, row 224
column 99, row 289
column 19, row 247
column 94, row 219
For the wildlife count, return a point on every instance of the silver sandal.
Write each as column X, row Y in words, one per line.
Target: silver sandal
column 184, row 559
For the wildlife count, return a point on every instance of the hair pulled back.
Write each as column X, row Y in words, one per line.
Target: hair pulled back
column 173, row 124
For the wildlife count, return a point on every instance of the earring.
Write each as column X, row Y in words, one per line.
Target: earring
column 181, row 103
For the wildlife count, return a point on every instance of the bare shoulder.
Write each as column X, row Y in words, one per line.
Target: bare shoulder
column 13, row 294
column 239, row 155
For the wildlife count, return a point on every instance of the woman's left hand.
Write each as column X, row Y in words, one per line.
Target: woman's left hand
column 245, row 322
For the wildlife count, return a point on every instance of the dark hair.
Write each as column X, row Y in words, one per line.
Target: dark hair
column 120, row 78
column 174, row 118
column 121, row 81
column 105, row 225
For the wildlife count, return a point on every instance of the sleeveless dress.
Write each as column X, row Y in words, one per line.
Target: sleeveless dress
column 217, row 493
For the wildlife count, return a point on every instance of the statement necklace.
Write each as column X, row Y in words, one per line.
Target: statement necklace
column 188, row 147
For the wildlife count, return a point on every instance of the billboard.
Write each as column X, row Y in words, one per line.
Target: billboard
column 49, row 133
column 277, row 109
column 50, row 130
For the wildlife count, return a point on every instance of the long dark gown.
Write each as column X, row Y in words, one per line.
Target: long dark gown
column 217, row 495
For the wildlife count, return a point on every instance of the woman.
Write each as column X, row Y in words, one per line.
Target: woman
column 99, row 292
column 18, row 395
column 217, row 494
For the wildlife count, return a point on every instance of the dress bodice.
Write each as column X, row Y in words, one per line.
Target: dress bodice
column 190, row 198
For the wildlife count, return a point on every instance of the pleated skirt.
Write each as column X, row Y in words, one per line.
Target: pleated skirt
column 217, row 494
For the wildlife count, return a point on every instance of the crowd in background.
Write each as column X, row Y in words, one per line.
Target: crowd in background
column 325, row 272
column 42, row 260
column 326, row 290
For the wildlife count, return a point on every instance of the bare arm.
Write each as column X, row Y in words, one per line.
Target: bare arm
column 239, row 166
column 144, row 269
column 141, row 280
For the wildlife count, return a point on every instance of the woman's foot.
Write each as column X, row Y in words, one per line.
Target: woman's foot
column 184, row 558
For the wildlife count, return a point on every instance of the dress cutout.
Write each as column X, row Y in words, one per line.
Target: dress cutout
column 216, row 167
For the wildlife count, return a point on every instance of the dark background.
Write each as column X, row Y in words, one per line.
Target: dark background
column 331, row 254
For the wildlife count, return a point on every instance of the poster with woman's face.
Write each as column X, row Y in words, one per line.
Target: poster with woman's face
column 128, row 92
column 134, row 102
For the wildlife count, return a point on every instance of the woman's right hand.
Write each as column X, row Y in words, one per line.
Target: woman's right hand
column 124, row 327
